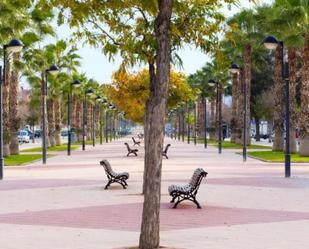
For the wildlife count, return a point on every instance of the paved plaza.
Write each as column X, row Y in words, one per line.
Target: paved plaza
column 64, row 205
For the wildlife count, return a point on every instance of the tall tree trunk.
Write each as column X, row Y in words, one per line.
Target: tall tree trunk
column 57, row 110
column 257, row 128
column 200, row 117
column 44, row 114
column 13, row 107
column 79, row 108
column 304, row 116
column 212, row 133
column 5, row 106
column 89, row 121
column 293, row 110
column 234, row 119
column 247, row 81
column 239, row 106
column 278, row 97
column 51, row 121
column 150, row 229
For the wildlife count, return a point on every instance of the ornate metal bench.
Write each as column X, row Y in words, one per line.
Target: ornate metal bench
column 135, row 142
column 164, row 153
column 188, row 191
column 131, row 151
column 113, row 176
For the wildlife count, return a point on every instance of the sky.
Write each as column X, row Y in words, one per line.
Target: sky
column 98, row 67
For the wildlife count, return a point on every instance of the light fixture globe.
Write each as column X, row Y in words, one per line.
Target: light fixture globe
column 15, row 46
column 89, row 92
column 54, row 70
column 234, row 69
column 270, row 42
column 211, row 82
column 76, row 83
column 99, row 99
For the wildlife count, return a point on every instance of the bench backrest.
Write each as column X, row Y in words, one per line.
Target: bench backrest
column 166, row 148
column 128, row 147
column 196, row 179
column 108, row 168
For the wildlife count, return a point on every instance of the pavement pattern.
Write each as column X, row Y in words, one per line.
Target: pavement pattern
column 64, row 205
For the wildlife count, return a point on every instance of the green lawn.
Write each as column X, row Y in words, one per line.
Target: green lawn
column 21, row 159
column 277, row 157
column 229, row 145
column 62, row 147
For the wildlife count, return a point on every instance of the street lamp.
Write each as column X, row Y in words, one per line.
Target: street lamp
column 88, row 92
column 75, row 83
column 53, row 70
column 14, row 46
column 211, row 82
column 235, row 69
column 271, row 43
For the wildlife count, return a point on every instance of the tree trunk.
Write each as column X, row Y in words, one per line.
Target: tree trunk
column 257, row 128
column 79, row 108
column 234, row 120
column 44, row 114
column 200, row 117
column 304, row 115
column 247, row 81
column 150, row 229
column 13, row 107
column 89, row 121
column 240, row 104
column 212, row 133
column 278, row 108
column 293, row 109
column 57, row 110
column 5, row 106
column 51, row 122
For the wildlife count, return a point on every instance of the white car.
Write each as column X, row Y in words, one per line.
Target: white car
column 23, row 137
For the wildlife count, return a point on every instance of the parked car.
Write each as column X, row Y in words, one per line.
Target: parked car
column 64, row 133
column 37, row 133
column 23, row 136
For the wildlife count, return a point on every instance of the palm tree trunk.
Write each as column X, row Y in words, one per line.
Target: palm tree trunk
column 51, row 121
column 155, row 110
column 200, row 117
column 247, row 78
column 212, row 133
column 257, row 128
column 57, row 110
column 239, row 107
column 5, row 106
column 13, row 108
column 278, row 108
column 304, row 115
column 89, row 121
column 44, row 114
column 293, row 110
column 79, row 108
column 234, row 119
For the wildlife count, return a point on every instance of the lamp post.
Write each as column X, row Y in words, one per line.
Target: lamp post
column 271, row 43
column 235, row 69
column 188, row 121
column 14, row 46
column 88, row 92
column 219, row 103
column 53, row 70
column 205, row 122
column 75, row 83
column 195, row 123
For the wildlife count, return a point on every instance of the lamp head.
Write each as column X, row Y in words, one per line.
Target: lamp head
column 75, row 83
column 89, row 92
column 54, row 70
column 234, row 69
column 270, row 42
column 211, row 82
column 15, row 45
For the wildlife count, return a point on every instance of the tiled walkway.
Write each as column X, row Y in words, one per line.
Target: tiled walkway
column 64, row 205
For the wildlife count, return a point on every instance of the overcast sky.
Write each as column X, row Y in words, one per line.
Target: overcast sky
column 97, row 66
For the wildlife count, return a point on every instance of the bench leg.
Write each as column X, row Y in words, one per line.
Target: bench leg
column 108, row 184
column 196, row 202
column 172, row 201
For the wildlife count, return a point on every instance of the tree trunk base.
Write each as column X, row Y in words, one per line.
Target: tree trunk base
column 57, row 138
column 6, row 150
column 304, row 146
column 161, row 247
column 14, row 146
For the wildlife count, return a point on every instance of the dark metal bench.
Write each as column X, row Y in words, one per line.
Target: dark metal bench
column 131, row 151
column 188, row 191
column 135, row 142
column 164, row 153
column 113, row 176
column 140, row 136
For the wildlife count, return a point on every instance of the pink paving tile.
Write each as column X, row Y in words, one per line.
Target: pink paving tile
column 269, row 182
column 127, row 217
column 45, row 183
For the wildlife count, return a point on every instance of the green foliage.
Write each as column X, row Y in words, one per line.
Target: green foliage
column 277, row 156
column 62, row 147
column 22, row 159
